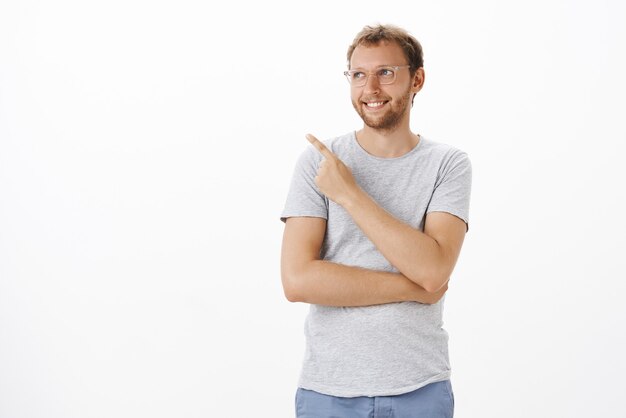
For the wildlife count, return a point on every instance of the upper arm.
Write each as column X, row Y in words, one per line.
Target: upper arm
column 302, row 243
column 449, row 232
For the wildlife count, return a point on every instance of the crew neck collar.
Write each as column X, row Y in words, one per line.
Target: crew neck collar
column 368, row 155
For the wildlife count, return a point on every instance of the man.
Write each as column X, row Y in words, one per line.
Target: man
column 374, row 224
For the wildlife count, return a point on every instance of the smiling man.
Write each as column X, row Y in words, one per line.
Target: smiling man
column 374, row 224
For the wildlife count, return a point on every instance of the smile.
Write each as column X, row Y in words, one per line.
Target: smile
column 374, row 105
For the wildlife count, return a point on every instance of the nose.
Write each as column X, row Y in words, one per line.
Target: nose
column 371, row 84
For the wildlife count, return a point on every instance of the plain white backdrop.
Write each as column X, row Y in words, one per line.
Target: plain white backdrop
column 146, row 148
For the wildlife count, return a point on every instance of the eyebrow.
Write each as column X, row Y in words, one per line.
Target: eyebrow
column 379, row 66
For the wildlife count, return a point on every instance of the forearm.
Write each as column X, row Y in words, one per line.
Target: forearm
column 415, row 254
column 325, row 283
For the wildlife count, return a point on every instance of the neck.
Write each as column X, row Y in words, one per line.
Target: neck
column 387, row 144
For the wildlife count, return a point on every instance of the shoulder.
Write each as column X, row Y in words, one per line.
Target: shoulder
column 444, row 153
column 441, row 148
column 340, row 144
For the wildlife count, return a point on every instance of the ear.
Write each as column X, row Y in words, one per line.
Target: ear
column 418, row 80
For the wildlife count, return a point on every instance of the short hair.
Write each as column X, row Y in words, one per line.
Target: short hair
column 373, row 35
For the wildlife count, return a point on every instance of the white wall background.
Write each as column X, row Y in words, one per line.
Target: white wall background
column 146, row 148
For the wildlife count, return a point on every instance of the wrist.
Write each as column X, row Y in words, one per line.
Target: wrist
column 353, row 199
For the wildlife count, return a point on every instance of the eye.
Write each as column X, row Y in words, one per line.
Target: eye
column 357, row 75
column 385, row 73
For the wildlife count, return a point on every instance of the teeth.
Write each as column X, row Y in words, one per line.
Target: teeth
column 375, row 104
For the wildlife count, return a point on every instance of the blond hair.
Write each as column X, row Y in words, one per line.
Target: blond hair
column 373, row 35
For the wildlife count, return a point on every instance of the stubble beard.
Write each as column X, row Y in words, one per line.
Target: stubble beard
column 388, row 121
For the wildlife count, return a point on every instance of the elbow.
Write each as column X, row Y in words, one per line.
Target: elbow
column 435, row 286
column 290, row 291
column 292, row 295
column 437, row 277
column 436, row 291
column 293, row 292
column 433, row 282
column 434, row 275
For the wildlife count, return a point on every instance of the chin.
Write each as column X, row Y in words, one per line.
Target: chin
column 385, row 122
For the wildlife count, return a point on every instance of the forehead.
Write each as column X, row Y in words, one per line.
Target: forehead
column 383, row 53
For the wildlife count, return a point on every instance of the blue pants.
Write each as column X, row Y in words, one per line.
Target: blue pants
column 435, row 400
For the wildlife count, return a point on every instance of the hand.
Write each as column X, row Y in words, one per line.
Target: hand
column 334, row 178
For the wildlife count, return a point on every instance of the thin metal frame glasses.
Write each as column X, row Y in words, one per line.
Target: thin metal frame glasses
column 385, row 75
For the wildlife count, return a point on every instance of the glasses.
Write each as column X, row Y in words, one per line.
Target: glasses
column 385, row 75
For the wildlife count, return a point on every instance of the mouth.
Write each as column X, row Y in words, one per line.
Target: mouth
column 375, row 105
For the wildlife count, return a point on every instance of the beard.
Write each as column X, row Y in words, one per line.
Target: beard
column 390, row 119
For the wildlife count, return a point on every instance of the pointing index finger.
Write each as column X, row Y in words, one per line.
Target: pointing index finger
column 320, row 146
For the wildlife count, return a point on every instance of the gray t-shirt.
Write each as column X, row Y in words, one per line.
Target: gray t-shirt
column 393, row 348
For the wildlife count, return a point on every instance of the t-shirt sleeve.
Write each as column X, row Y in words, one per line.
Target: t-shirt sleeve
column 303, row 197
column 453, row 188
